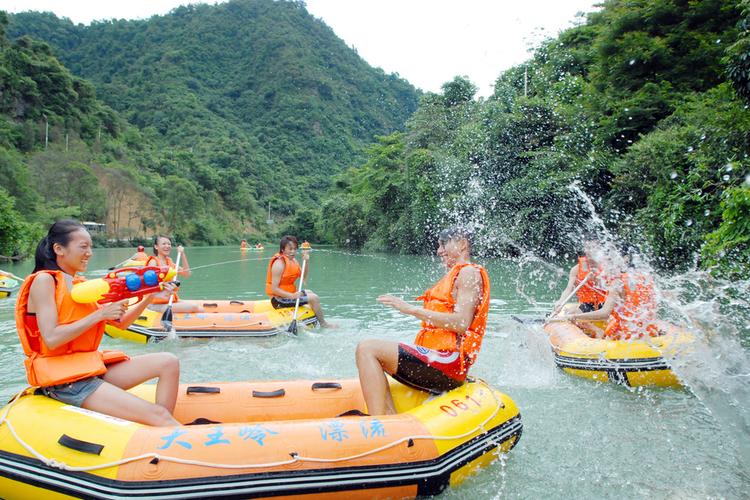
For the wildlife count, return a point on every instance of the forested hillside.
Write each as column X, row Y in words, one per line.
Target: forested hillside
column 211, row 111
column 641, row 110
column 256, row 88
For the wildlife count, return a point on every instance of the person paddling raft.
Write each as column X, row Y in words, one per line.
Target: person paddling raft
column 588, row 279
column 283, row 272
column 630, row 310
column 454, row 318
column 162, row 249
column 61, row 338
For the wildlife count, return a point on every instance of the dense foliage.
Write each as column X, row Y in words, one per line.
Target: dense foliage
column 633, row 115
column 211, row 113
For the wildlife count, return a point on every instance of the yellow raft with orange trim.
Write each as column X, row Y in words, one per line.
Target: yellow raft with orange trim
column 6, row 287
column 633, row 363
column 257, row 440
column 220, row 318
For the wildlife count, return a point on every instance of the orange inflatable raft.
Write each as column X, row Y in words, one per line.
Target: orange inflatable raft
column 220, row 318
column 257, row 440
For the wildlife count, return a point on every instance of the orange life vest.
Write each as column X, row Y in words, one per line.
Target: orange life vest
column 157, row 300
column 74, row 360
column 440, row 298
column 141, row 257
column 590, row 293
column 292, row 271
column 634, row 316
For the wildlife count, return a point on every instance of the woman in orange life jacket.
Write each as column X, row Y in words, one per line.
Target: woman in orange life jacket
column 454, row 317
column 592, row 295
column 52, row 326
column 283, row 271
column 162, row 249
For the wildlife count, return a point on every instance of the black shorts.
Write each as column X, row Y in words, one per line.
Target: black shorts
column 587, row 307
column 427, row 369
column 281, row 303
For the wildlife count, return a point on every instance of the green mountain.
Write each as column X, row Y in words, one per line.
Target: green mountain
column 266, row 100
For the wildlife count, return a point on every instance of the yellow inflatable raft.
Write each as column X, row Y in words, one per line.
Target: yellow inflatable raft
column 6, row 287
column 258, row 439
column 628, row 362
column 220, row 318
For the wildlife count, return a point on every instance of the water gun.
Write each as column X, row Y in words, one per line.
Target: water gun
column 124, row 283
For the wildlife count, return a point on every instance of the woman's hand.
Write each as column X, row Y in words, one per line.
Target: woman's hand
column 396, row 303
column 113, row 311
column 306, row 255
column 167, row 290
column 181, row 249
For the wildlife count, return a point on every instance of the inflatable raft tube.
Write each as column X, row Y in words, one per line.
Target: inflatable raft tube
column 257, row 440
column 6, row 287
column 221, row 318
column 633, row 363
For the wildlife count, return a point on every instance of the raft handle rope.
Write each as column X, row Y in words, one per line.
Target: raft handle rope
column 294, row 457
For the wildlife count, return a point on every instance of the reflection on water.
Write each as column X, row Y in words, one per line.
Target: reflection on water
column 581, row 439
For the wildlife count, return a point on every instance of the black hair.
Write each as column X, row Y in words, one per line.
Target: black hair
column 285, row 241
column 59, row 232
column 454, row 233
column 156, row 241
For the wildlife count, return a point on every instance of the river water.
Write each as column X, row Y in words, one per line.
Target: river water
column 581, row 439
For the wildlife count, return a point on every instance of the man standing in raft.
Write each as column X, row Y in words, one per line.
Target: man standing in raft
column 283, row 272
column 454, row 317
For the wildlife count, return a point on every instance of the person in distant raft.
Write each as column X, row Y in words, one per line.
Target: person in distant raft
column 162, row 249
column 61, row 338
column 454, row 318
column 630, row 309
column 283, row 272
column 140, row 255
column 593, row 293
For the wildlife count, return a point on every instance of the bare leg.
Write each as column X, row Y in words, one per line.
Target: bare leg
column 187, row 306
column 111, row 400
column 590, row 329
column 137, row 370
column 375, row 358
column 314, row 302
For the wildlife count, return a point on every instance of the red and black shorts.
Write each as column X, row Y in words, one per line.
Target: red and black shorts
column 427, row 369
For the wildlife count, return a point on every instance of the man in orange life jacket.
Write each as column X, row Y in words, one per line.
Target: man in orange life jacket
column 454, row 317
column 592, row 295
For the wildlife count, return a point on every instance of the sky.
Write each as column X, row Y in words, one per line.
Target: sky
column 427, row 42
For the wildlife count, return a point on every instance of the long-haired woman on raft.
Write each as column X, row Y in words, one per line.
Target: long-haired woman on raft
column 162, row 249
column 61, row 338
column 283, row 272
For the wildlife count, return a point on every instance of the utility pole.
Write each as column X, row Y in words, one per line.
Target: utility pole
column 46, row 131
column 269, row 220
column 525, row 81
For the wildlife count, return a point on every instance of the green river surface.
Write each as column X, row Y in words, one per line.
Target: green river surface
column 580, row 439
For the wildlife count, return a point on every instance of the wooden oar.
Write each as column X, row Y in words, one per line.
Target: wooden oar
column 293, row 324
column 557, row 310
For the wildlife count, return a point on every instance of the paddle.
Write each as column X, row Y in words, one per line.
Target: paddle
column 293, row 324
column 166, row 317
column 117, row 266
column 557, row 310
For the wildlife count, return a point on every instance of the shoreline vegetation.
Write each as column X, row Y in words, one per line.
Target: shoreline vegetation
column 639, row 115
